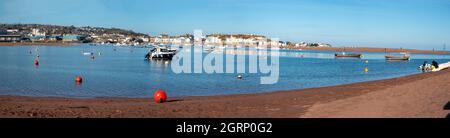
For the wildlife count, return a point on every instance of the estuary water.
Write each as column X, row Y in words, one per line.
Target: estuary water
column 123, row 72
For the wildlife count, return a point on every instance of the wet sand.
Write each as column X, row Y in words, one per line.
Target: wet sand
column 421, row 95
column 370, row 49
column 417, row 99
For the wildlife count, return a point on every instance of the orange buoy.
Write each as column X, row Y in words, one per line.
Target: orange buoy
column 78, row 79
column 160, row 96
column 36, row 62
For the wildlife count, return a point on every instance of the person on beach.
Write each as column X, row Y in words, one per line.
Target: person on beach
column 425, row 67
column 424, row 64
column 435, row 64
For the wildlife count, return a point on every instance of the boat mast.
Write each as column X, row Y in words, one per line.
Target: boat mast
column 444, row 47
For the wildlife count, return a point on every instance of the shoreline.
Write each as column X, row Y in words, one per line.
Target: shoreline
column 380, row 98
column 375, row 50
column 334, row 49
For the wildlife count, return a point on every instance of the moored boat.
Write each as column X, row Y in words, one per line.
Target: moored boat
column 397, row 57
column 161, row 53
column 402, row 56
column 208, row 49
column 345, row 55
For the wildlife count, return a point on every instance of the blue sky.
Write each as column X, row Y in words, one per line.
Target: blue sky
column 423, row 24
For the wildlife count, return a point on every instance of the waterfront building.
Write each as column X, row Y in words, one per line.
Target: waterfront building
column 198, row 36
column 54, row 38
column 275, row 42
column 71, row 38
column 213, row 40
column 37, row 38
column 12, row 31
column 3, row 32
column 10, row 38
column 37, row 32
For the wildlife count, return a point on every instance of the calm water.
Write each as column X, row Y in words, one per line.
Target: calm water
column 124, row 73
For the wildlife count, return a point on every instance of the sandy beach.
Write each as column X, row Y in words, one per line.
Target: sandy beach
column 421, row 95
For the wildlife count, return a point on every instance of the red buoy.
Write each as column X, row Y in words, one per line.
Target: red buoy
column 36, row 62
column 78, row 79
column 160, row 96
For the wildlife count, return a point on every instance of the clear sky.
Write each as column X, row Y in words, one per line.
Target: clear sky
column 423, row 24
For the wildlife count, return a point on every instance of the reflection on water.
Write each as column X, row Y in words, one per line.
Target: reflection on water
column 159, row 63
column 123, row 72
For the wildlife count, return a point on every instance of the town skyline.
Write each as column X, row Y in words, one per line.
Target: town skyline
column 409, row 24
column 43, row 33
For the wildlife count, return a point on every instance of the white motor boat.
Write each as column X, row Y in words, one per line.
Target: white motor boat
column 161, row 53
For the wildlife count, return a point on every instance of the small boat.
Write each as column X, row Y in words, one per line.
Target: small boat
column 442, row 66
column 402, row 56
column 345, row 55
column 161, row 53
column 88, row 53
column 208, row 49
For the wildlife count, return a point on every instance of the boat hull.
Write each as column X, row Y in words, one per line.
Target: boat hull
column 162, row 56
column 397, row 58
column 348, row 55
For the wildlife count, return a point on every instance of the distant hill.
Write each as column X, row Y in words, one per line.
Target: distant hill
column 24, row 29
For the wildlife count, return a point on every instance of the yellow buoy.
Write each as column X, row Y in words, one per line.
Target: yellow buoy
column 366, row 70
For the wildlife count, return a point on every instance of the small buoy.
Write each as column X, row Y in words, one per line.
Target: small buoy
column 92, row 57
column 36, row 62
column 367, row 61
column 99, row 53
column 78, row 79
column 366, row 70
column 239, row 77
column 160, row 96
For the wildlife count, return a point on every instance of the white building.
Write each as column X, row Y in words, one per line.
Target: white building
column 275, row 42
column 12, row 30
column 213, row 40
column 198, row 35
column 37, row 32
